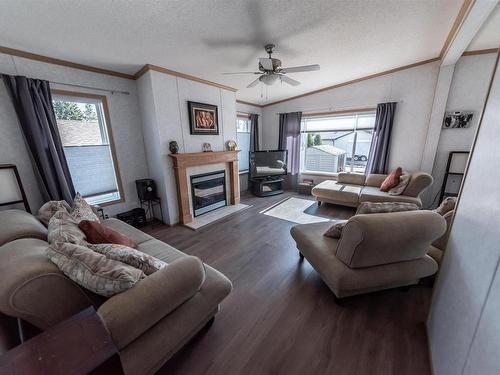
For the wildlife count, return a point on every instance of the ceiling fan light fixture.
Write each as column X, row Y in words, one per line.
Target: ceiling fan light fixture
column 268, row 79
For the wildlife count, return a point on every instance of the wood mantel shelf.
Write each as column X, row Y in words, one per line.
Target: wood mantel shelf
column 182, row 161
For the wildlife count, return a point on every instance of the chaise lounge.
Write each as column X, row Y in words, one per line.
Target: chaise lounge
column 351, row 189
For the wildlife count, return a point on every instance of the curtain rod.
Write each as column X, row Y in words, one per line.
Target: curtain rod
column 86, row 87
column 342, row 109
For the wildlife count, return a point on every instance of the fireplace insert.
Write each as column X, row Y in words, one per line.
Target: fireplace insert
column 208, row 192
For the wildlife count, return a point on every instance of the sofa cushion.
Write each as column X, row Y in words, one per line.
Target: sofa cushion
column 48, row 210
column 337, row 192
column 335, row 231
column 399, row 188
column 96, row 233
column 376, row 239
column 385, row 207
column 373, row 194
column 82, row 210
column 392, row 180
column 375, row 179
column 92, row 270
column 17, row 224
column 132, row 233
column 351, row 178
column 447, row 205
column 145, row 262
column 64, row 228
column 419, row 181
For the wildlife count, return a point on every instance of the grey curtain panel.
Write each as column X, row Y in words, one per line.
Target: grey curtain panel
column 289, row 139
column 254, row 132
column 378, row 159
column 33, row 104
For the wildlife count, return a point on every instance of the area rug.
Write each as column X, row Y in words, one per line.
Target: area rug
column 212, row 217
column 293, row 209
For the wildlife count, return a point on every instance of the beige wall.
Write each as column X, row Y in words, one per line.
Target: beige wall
column 464, row 320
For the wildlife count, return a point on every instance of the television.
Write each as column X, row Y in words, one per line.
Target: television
column 265, row 164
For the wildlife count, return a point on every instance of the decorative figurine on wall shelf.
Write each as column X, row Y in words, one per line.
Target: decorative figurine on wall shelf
column 207, row 147
column 231, row 145
column 173, row 147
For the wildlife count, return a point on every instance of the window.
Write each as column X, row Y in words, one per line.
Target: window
column 83, row 124
column 333, row 144
column 243, row 140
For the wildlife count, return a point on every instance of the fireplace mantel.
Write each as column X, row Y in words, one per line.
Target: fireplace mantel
column 182, row 161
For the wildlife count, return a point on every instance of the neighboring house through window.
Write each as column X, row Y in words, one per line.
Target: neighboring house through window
column 243, row 141
column 83, row 123
column 336, row 143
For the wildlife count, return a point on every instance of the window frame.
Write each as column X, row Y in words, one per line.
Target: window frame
column 247, row 118
column 354, row 112
column 107, row 120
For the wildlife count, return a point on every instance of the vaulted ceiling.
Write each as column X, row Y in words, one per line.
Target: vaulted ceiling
column 349, row 39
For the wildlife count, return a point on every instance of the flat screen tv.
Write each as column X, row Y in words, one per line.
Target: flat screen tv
column 268, row 163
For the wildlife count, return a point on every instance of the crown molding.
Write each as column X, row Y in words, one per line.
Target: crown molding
column 66, row 63
column 248, row 103
column 357, row 80
column 481, row 51
column 163, row 70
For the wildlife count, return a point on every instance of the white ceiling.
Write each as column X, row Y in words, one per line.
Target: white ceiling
column 489, row 34
column 349, row 39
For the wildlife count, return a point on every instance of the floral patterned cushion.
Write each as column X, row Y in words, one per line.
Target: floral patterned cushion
column 82, row 210
column 385, row 207
column 48, row 210
column 92, row 270
column 64, row 228
column 404, row 180
column 335, row 231
column 135, row 258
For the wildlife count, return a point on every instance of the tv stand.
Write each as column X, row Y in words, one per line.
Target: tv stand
column 264, row 187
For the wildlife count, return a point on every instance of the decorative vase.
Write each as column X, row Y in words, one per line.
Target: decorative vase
column 173, row 147
column 231, row 145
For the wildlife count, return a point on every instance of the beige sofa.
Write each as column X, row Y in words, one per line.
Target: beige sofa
column 351, row 189
column 148, row 323
column 375, row 251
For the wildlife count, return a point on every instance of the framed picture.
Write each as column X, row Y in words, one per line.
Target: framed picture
column 203, row 118
column 457, row 120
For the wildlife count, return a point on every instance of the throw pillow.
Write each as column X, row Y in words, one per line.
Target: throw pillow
column 385, row 207
column 92, row 270
column 98, row 233
column 82, row 210
column 335, row 231
column 446, row 205
column 404, row 180
column 64, row 228
column 147, row 263
column 48, row 210
column 392, row 180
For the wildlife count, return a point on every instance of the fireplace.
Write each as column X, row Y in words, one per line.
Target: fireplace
column 208, row 192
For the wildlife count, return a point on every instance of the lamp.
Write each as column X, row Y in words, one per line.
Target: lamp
column 11, row 187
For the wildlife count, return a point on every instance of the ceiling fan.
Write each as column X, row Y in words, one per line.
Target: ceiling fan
column 270, row 70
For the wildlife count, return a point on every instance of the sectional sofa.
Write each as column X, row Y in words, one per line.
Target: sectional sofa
column 148, row 323
column 351, row 189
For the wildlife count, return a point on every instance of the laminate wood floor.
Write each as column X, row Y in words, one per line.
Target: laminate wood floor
column 282, row 319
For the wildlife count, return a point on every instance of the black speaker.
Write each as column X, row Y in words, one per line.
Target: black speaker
column 146, row 189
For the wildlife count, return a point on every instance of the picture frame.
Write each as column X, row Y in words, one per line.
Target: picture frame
column 203, row 119
column 457, row 119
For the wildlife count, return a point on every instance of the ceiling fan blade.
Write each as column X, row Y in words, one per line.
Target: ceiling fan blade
column 254, row 83
column 303, row 68
column 289, row 80
column 242, row 73
column 267, row 64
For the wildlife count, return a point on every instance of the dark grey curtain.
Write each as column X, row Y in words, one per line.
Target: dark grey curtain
column 254, row 132
column 289, row 139
column 378, row 159
column 33, row 104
